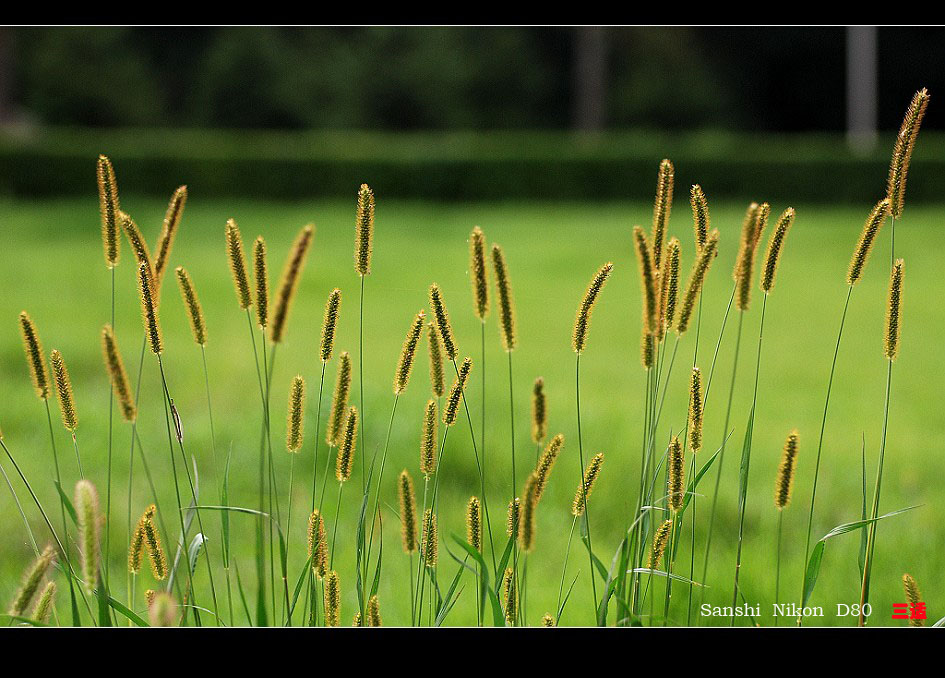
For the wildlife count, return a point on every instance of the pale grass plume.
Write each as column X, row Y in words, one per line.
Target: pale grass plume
column 914, row 596
column 89, row 521
column 64, row 392
column 291, row 274
column 42, row 611
column 188, row 293
column 32, row 578
column 109, row 209
column 162, row 610
column 902, row 152
column 582, row 321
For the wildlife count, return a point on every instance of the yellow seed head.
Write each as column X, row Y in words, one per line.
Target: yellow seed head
column 364, row 232
column 374, row 612
column 474, row 523
column 647, row 349
column 511, row 523
column 136, row 548
column 442, row 319
column 870, row 230
column 90, row 524
column 539, row 411
column 357, row 622
column 138, row 245
column 587, row 485
column 317, row 544
column 755, row 221
column 234, row 251
column 782, row 489
column 894, row 310
column 429, row 550
column 109, row 208
column 175, row 208
column 339, row 401
column 696, row 280
column 31, row 581
column 775, row 245
column 42, row 611
column 456, row 393
column 506, row 304
column 428, row 440
column 330, row 323
column 64, row 392
column 34, row 356
column 162, row 609
column 261, row 274
column 677, row 476
column 437, row 378
column 347, row 447
column 149, row 312
column 669, row 287
column 291, row 274
column 192, row 303
column 661, row 209
column 510, row 596
column 546, row 462
column 583, row 320
column 295, row 427
column 332, row 599
column 700, row 216
column 526, row 525
column 913, row 596
column 695, row 410
column 152, row 544
column 647, row 278
column 548, row 621
column 408, row 512
column 477, row 266
column 659, row 544
column 902, row 153
column 407, row 353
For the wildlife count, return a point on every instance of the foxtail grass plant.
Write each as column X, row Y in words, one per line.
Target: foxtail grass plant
column 363, row 247
column 782, row 497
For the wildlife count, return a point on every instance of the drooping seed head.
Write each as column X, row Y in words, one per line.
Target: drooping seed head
column 647, row 349
column 109, row 208
column 442, row 319
column 364, row 231
column 42, row 611
column 914, row 597
column 407, row 353
column 660, row 538
column 894, row 310
column 676, row 465
column 539, row 411
column 373, row 612
column 34, row 356
column 339, row 401
column 647, row 279
column 526, row 525
column 456, row 393
column 661, row 208
column 347, row 447
column 583, row 320
column 695, row 410
column 510, row 596
column 330, row 323
column 162, row 609
column 291, row 274
column 149, row 312
column 437, row 378
column 902, row 153
column 332, row 599
column 512, row 518
column 775, row 245
column 546, row 462
column 506, row 303
column 64, row 392
column 785, row 482
column 138, row 244
column 32, row 578
column 317, row 544
column 474, row 523
column 477, row 267
column 89, row 523
column 700, row 216
column 870, row 230
column 584, row 490
column 429, row 543
column 192, row 303
column 669, row 282
column 136, row 547
column 755, row 222
column 234, row 252
column 696, row 281
column 428, row 440
column 294, row 429
column 175, row 209
column 152, row 544
column 261, row 274
column 408, row 512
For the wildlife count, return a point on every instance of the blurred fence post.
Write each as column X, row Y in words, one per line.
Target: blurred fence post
column 862, row 57
column 590, row 72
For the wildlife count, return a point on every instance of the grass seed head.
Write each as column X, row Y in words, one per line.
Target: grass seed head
column 677, row 476
column 510, row 596
column 34, row 356
column 138, row 244
column 437, row 377
column 583, row 320
column 695, row 410
column 526, row 525
column 317, row 544
column 647, row 349
column 136, row 548
column 902, row 152
column 894, row 310
column 64, row 392
column 175, row 208
column 587, row 485
column 332, row 599
column 669, row 280
column 348, row 442
column 152, row 544
column 364, row 231
column 234, row 252
column 149, row 311
column 700, row 216
column 109, row 209
column 162, row 609
column 548, row 621
column 474, row 523
column 546, row 462
column 442, row 318
column 659, row 544
column 428, row 440
column 42, row 611
column 339, row 401
column 192, row 303
column 407, row 353
column 785, row 482
column 89, row 522
column 261, row 275
column 373, row 612
column 32, row 578
column 755, row 221
column 456, row 393
column 408, row 512
column 696, row 281
column 291, row 274
column 506, row 303
column 913, row 596
column 430, row 543
column 661, row 208
column 874, row 222
column 775, row 245
column 477, row 265
column 511, row 523
column 330, row 324
column 647, row 278
column 295, row 427
column 539, row 412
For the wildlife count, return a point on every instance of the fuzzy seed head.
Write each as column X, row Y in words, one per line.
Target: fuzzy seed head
column 902, row 152
column 138, row 244
column 149, row 311
column 511, row 523
column 234, row 252
column 332, row 599
column 192, row 303
column 317, row 544
column 913, row 595
column 539, row 412
column 510, row 596
column 546, row 462
column 437, row 377
column 34, row 356
column 261, row 273
column 330, row 323
column 175, row 208
column 584, row 490
column 785, row 482
column 429, row 550
column 677, row 476
column 506, row 303
column 162, row 609
column 109, row 209
column 647, row 278
column 894, row 310
column 659, row 544
column 345, row 457
column 548, row 621
column 669, row 280
column 647, row 349
column 661, row 208
column 408, row 512
column 428, row 440
column 477, row 266
column 364, row 232
column 152, row 544
column 870, row 230
column 583, row 320
column 695, row 410
column 291, row 274
column 64, row 392
column 456, row 393
column 775, row 245
column 295, row 427
column 474, row 523
column 339, row 401
column 696, row 280
column 136, row 548
column 89, row 522
column 442, row 319
column 526, row 525
column 32, row 578
column 700, row 216
column 42, row 611
column 407, row 353
column 755, row 221
column 373, row 612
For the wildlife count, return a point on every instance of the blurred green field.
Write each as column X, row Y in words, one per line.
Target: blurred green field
column 51, row 264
